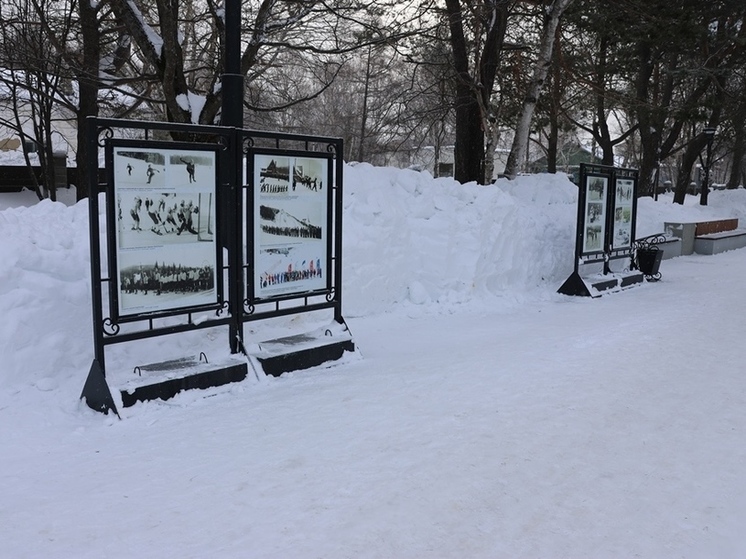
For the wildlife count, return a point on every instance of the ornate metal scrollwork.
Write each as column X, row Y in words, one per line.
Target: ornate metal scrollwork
column 248, row 308
column 649, row 241
column 330, row 295
column 224, row 306
column 248, row 143
column 331, row 148
column 106, row 133
column 110, row 327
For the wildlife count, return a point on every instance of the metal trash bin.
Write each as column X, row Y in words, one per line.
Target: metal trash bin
column 649, row 261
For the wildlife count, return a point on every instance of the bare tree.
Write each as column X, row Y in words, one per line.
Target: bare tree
column 737, row 118
column 190, row 72
column 553, row 12
column 476, row 58
column 33, row 76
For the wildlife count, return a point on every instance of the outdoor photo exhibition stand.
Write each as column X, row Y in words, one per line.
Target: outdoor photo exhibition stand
column 211, row 227
column 605, row 234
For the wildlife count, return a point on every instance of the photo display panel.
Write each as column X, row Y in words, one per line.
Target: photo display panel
column 292, row 222
column 624, row 198
column 594, row 222
column 166, row 256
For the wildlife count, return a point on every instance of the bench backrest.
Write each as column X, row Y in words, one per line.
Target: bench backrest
column 717, row 226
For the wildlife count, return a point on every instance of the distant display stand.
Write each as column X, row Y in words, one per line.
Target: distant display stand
column 605, row 231
column 185, row 244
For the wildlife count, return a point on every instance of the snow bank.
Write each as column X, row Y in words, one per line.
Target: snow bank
column 411, row 242
column 45, row 333
column 410, row 238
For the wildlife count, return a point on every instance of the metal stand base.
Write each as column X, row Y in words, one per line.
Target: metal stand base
column 96, row 392
column 303, row 351
column 595, row 286
column 170, row 387
column 166, row 380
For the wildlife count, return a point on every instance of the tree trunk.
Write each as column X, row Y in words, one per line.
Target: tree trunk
column 469, row 149
column 364, row 112
column 739, row 142
column 468, row 152
column 555, row 106
column 519, row 148
column 738, row 153
column 688, row 159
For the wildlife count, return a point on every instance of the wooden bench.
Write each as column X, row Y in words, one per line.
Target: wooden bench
column 708, row 237
column 14, row 178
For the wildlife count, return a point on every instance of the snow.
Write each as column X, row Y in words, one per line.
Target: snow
column 485, row 415
column 154, row 39
column 193, row 103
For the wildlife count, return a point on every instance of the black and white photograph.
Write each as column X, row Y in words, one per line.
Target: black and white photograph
column 291, row 215
column 153, row 280
column 165, row 215
column 291, row 221
column 139, row 167
column 189, row 169
column 308, row 175
column 274, row 175
column 593, row 238
column 595, row 213
column 597, row 189
column 624, row 191
column 623, row 204
column 147, row 219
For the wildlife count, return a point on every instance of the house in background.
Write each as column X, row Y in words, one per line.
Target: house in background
column 569, row 158
column 424, row 159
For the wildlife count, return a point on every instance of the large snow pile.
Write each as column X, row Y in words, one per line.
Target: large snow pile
column 410, row 242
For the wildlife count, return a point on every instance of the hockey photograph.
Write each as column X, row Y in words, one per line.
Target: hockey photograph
column 166, row 251
column 146, row 219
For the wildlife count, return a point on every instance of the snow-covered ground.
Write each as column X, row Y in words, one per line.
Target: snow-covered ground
column 486, row 416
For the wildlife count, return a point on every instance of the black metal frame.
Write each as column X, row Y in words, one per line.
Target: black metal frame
column 111, row 215
column 294, row 145
column 575, row 283
column 252, row 247
column 231, row 145
column 608, row 252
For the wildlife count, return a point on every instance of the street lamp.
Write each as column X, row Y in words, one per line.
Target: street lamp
column 230, row 167
column 709, row 133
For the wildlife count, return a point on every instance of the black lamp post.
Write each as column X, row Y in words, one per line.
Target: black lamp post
column 232, row 82
column 709, row 133
column 232, row 115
